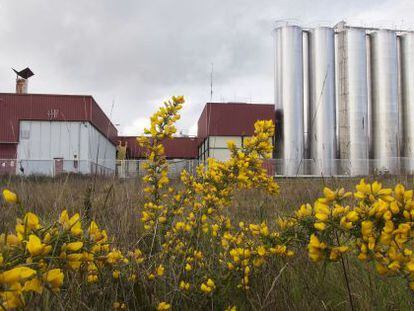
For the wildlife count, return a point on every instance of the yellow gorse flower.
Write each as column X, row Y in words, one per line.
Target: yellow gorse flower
column 163, row 306
column 71, row 223
column 55, row 278
column 9, row 196
column 35, row 245
column 17, row 274
column 74, row 246
column 208, row 286
column 31, row 221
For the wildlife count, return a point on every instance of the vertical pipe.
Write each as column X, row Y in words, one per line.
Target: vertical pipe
column 399, row 92
column 337, row 76
column 306, row 114
column 278, row 93
column 407, row 96
column 369, row 84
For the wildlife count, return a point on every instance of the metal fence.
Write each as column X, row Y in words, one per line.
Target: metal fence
column 341, row 167
column 274, row 167
column 136, row 168
column 55, row 167
column 291, row 168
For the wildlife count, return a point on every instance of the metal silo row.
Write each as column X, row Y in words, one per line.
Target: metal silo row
column 346, row 97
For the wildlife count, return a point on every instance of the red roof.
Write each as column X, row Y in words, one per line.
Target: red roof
column 48, row 107
column 232, row 119
column 175, row 148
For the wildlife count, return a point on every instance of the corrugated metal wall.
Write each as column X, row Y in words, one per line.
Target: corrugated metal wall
column 45, row 140
column 175, row 148
column 42, row 141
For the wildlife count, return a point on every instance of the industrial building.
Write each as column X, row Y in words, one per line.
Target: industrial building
column 50, row 134
column 218, row 124
column 345, row 96
column 222, row 122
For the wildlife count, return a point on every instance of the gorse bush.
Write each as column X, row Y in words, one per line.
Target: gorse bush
column 192, row 254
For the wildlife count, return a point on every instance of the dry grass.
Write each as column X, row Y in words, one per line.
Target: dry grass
column 115, row 205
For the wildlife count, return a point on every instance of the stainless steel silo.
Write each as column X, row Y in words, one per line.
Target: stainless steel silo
column 353, row 101
column 384, row 88
column 322, row 100
column 407, row 92
column 290, row 96
column 278, row 96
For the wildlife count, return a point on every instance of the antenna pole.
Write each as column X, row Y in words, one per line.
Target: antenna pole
column 211, row 82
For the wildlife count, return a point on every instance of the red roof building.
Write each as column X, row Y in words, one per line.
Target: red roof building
column 232, row 119
column 218, row 123
column 35, row 128
column 175, row 148
column 48, row 134
column 46, row 107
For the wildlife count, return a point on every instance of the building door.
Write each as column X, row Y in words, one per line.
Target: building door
column 58, row 165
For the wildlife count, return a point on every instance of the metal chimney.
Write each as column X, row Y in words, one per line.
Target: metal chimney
column 22, row 81
column 21, row 85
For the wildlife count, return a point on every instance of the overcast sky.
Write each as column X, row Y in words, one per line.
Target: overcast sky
column 132, row 54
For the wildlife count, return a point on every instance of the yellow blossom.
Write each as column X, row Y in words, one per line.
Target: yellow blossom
column 9, row 196
column 35, row 245
column 160, row 270
column 34, row 285
column 54, row 277
column 16, row 275
column 163, row 306
column 74, row 246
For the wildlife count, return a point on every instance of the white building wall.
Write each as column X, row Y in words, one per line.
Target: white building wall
column 221, row 141
column 216, row 147
column 220, row 154
column 75, row 142
column 101, row 150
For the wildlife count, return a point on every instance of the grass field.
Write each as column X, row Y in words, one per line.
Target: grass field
column 294, row 285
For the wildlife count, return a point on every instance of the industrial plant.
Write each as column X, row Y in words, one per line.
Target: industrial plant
column 343, row 106
column 344, row 99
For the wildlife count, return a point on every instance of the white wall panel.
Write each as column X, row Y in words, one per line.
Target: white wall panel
column 221, row 141
column 220, row 154
column 42, row 141
column 84, row 140
column 101, row 150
